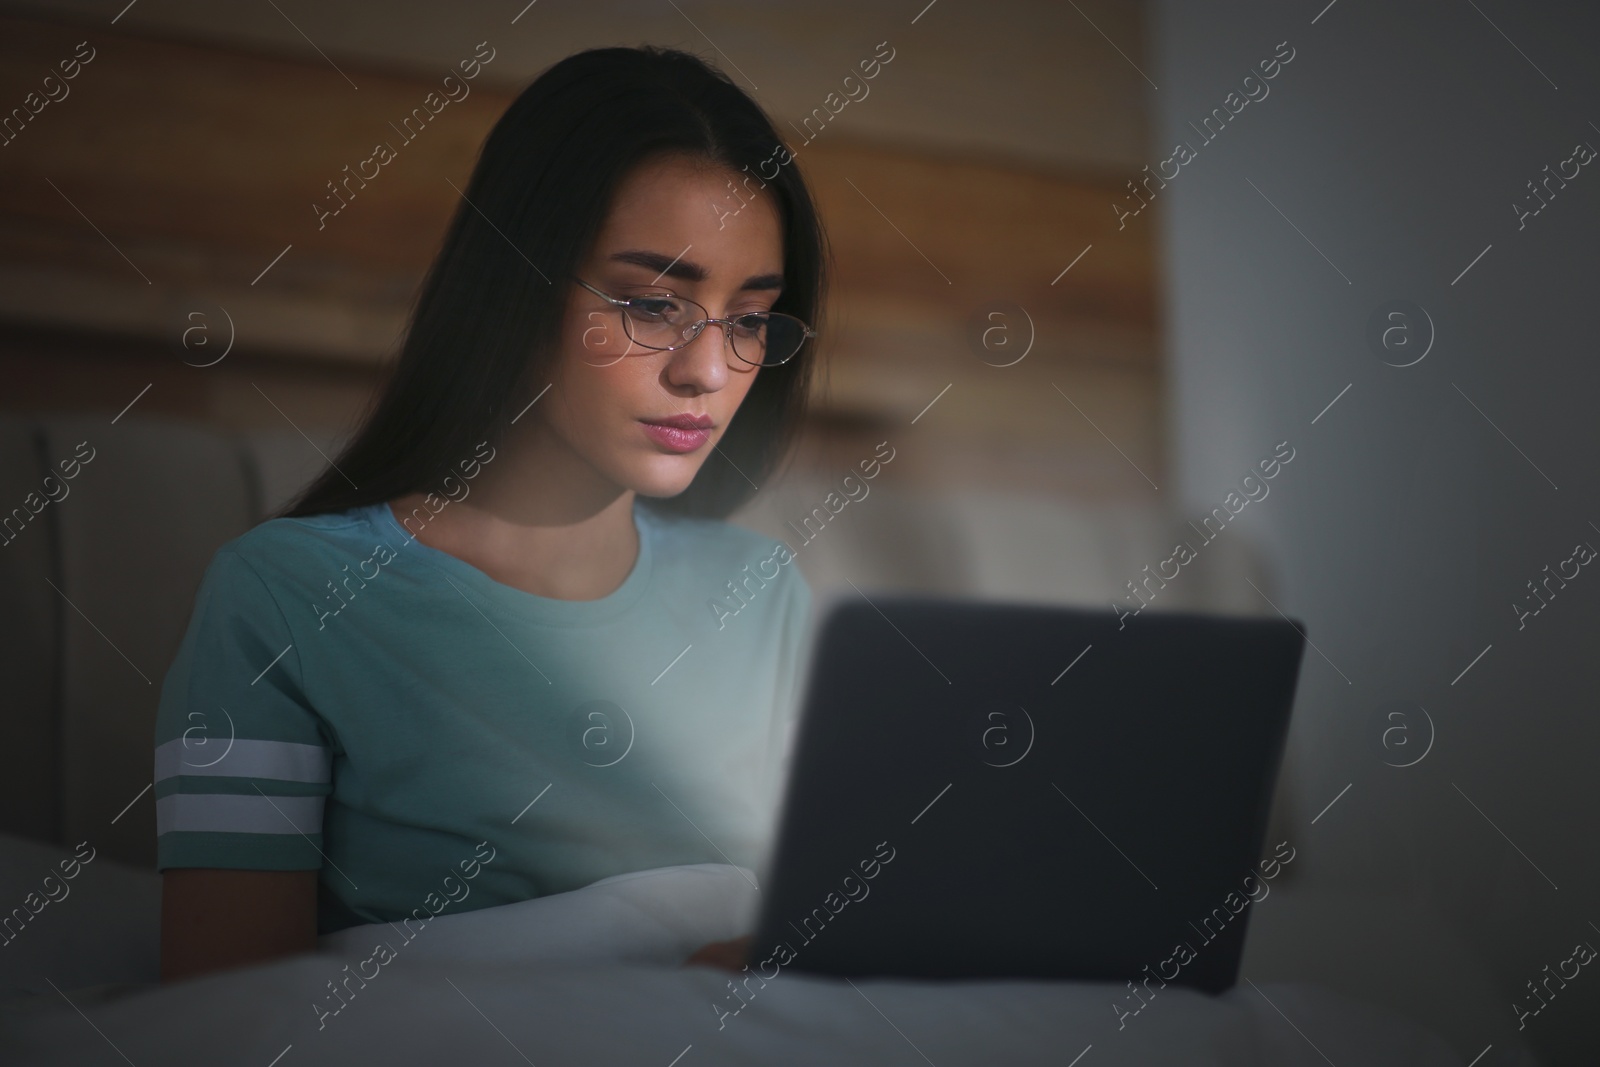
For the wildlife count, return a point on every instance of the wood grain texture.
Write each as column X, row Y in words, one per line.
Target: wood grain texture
column 177, row 170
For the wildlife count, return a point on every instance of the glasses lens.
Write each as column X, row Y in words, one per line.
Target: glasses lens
column 666, row 321
column 767, row 339
column 661, row 321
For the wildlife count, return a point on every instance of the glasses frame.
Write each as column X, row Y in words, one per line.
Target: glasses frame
column 699, row 326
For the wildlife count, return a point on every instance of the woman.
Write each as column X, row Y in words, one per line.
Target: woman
column 505, row 645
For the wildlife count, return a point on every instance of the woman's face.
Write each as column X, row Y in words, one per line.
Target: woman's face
column 675, row 225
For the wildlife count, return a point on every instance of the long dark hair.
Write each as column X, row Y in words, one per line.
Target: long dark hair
column 488, row 315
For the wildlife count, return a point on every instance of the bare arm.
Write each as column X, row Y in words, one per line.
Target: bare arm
column 215, row 919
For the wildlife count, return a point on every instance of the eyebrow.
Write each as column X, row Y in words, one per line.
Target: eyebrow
column 688, row 270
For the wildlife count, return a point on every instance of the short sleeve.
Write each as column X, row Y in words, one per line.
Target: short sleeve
column 242, row 761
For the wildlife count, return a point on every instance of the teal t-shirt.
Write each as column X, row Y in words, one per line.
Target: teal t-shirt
column 351, row 700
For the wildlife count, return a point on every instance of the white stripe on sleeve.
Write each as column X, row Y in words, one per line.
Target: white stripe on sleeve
column 239, row 813
column 240, row 758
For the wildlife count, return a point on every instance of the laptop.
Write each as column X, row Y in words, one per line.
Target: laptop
column 983, row 789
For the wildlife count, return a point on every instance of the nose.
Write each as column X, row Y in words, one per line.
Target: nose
column 701, row 366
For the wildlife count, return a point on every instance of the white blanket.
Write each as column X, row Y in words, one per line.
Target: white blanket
column 658, row 916
column 592, row 977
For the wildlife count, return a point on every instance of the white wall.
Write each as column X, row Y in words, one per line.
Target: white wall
column 1396, row 140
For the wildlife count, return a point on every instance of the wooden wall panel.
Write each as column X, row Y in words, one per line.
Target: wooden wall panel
column 177, row 171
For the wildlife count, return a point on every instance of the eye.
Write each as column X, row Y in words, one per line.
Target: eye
column 655, row 308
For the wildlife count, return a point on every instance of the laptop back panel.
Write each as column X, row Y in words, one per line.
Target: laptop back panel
column 983, row 789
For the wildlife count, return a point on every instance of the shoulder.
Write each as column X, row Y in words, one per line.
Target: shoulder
column 733, row 571
column 278, row 563
column 283, row 546
column 301, row 533
column 717, row 546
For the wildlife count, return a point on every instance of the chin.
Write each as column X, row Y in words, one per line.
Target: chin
column 666, row 477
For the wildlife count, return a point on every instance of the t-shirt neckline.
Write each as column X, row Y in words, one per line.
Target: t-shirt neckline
column 552, row 610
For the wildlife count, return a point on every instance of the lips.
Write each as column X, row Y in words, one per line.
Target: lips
column 683, row 422
column 678, row 433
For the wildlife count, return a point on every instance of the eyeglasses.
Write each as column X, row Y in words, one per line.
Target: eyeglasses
column 665, row 321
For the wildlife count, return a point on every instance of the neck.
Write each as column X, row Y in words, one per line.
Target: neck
column 538, row 518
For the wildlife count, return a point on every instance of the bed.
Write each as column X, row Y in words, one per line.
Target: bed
column 594, row 976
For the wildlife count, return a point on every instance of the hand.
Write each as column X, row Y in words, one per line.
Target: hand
column 727, row 955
